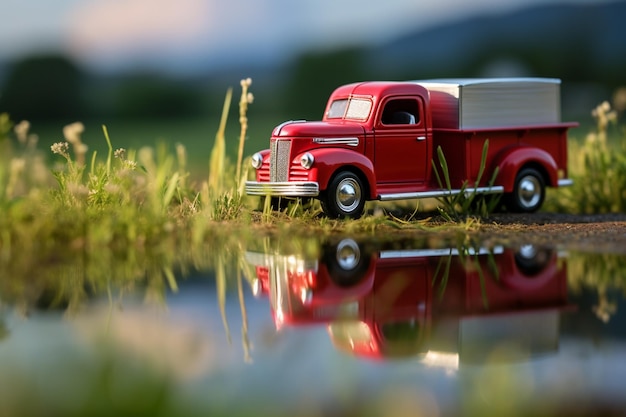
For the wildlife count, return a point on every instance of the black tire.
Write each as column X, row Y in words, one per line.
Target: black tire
column 344, row 197
column 528, row 193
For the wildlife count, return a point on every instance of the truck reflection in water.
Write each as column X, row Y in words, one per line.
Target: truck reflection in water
column 445, row 306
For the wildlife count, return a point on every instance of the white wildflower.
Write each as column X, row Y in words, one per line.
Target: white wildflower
column 61, row 148
column 120, row 153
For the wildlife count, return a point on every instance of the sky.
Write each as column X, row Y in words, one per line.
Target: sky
column 110, row 34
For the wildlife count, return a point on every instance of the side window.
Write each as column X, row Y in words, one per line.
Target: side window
column 403, row 111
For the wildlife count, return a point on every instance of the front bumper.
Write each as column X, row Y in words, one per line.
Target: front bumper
column 283, row 189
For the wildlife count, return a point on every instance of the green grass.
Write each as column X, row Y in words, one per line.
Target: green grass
column 199, row 183
column 464, row 204
column 597, row 164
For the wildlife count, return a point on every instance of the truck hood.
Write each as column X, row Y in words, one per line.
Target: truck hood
column 323, row 129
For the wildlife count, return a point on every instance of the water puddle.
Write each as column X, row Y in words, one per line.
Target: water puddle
column 344, row 327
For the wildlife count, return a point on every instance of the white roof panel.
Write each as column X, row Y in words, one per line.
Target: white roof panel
column 480, row 103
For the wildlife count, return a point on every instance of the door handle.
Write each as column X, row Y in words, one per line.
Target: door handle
column 420, row 138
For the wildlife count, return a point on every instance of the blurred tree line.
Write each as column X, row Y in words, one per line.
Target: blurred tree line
column 53, row 87
column 313, row 77
column 43, row 87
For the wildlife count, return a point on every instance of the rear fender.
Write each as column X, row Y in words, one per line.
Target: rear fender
column 511, row 160
column 328, row 161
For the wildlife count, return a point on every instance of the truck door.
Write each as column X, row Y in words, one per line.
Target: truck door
column 401, row 142
column 401, row 287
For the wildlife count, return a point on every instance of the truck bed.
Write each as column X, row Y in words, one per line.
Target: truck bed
column 457, row 144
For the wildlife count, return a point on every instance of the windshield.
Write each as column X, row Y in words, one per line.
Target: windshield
column 352, row 108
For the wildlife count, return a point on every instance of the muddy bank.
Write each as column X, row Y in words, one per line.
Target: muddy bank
column 598, row 232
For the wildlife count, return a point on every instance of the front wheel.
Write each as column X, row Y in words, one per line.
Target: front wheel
column 346, row 263
column 344, row 197
column 528, row 193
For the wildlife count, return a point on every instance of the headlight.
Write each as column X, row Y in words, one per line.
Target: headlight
column 307, row 160
column 257, row 160
column 257, row 288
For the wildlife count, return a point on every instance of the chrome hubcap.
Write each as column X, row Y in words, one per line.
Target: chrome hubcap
column 529, row 191
column 528, row 251
column 348, row 194
column 348, row 254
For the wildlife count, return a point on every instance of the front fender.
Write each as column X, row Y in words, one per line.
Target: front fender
column 328, row 161
column 263, row 173
column 509, row 162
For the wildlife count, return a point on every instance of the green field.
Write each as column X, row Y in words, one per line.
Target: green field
column 196, row 134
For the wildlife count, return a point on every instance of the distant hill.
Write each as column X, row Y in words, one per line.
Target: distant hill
column 584, row 45
column 578, row 43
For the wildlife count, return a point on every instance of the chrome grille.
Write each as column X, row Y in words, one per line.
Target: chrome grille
column 279, row 160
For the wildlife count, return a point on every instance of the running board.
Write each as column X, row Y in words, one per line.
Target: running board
column 423, row 253
column 441, row 193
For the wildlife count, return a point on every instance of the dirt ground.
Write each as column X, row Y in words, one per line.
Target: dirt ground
column 598, row 233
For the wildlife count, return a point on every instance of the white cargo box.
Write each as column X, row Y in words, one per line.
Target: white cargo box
column 483, row 103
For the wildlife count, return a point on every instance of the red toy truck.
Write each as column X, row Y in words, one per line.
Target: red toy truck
column 377, row 141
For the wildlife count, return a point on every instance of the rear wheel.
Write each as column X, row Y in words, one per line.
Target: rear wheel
column 528, row 193
column 344, row 197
